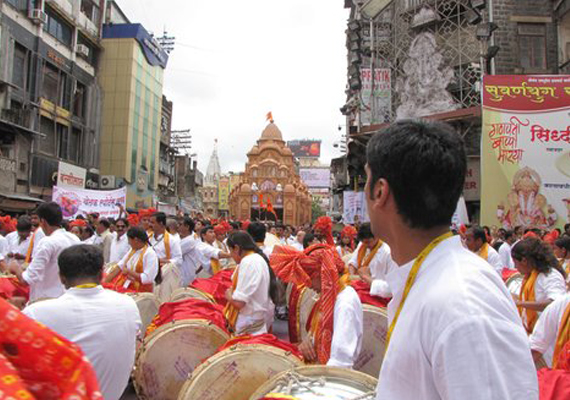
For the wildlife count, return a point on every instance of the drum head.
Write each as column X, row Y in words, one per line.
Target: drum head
column 171, row 281
column 375, row 329
column 190, row 293
column 148, row 305
column 235, row 373
column 306, row 303
column 325, row 382
column 514, row 283
column 171, row 353
column 346, row 258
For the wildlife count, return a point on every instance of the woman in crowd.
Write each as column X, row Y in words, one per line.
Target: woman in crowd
column 562, row 252
column 251, row 298
column 346, row 244
column 544, row 280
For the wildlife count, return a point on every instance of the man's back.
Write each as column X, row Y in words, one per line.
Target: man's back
column 458, row 336
column 103, row 323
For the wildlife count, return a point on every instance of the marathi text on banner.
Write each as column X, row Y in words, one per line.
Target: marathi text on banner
column 525, row 151
column 74, row 202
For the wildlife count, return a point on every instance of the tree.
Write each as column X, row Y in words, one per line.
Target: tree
column 316, row 209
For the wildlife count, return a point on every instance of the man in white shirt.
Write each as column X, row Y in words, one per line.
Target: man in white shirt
column 104, row 323
column 120, row 243
column 19, row 244
column 505, row 250
column 172, row 226
column 104, row 238
column 42, row 274
column 476, row 241
column 298, row 243
column 3, row 246
column 456, row 333
column 372, row 261
column 166, row 246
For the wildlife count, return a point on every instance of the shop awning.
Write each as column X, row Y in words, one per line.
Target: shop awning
column 18, row 202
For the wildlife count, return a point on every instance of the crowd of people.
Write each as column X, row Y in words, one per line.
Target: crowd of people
column 456, row 331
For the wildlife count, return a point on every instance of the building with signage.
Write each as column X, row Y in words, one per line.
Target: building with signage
column 210, row 197
column 131, row 75
column 49, row 96
column 167, row 154
column 270, row 178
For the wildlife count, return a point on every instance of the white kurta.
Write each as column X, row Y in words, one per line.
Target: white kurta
column 459, row 335
column 347, row 329
column 253, row 289
column 505, row 254
column 3, row 246
column 158, row 244
column 193, row 251
column 119, row 247
column 104, row 324
column 15, row 246
column 43, row 272
column 543, row 338
column 150, row 264
column 494, row 259
column 380, row 265
column 38, row 235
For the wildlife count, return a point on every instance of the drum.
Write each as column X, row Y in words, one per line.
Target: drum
column 319, row 381
column 375, row 329
column 235, row 373
column 171, row 280
column 514, row 283
column 171, row 353
column 147, row 304
column 307, row 301
column 190, row 293
column 109, row 267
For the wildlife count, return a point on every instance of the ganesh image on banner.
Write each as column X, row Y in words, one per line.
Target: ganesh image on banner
column 525, row 205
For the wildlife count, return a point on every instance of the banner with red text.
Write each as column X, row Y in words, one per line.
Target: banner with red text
column 74, row 202
column 525, row 151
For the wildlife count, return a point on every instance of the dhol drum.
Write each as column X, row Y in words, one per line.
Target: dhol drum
column 171, row 353
column 147, row 304
column 375, row 329
column 190, row 293
column 171, row 280
column 307, row 301
column 318, row 382
column 235, row 373
column 514, row 284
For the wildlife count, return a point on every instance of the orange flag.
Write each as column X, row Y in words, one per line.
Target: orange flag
column 270, row 116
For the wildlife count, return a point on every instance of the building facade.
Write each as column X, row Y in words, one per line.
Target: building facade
column 271, row 178
column 49, row 96
column 131, row 75
column 209, row 191
column 166, row 171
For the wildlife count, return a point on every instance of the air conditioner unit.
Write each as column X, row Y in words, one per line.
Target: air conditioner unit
column 107, row 182
column 83, row 50
column 38, row 16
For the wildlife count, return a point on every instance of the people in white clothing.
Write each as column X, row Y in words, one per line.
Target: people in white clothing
column 298, row 243
column 38, row 233
column 104, row 323
column 20, row 245
column 166, row 246
column 454, row 325
column 505, row 250
column 476, row 241
column 120, row 243
column 250, row 306
column 3, row 246
column 562, row 252
column 42, row 275
column 104, row 238
column 172, row 226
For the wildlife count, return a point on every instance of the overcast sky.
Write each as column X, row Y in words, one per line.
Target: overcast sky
column 236, row 60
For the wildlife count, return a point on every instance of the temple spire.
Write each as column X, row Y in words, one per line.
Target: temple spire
column 214, row 171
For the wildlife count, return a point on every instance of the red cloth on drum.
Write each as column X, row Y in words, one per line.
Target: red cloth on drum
column 266, row 339
column 216, row 285
column 293, row 322
column 278, row 396
column 553, row 384
column 37, row 363
column 363, row 290
column 11, row 287
column 507, row 273
column 189, row 309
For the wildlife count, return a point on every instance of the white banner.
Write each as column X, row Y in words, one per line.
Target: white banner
column 316, row 177
column 70, row 176
column 460, row 216
column 354, row 206
column 382, row 96
column 74, row 202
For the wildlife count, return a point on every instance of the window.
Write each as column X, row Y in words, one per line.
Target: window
column 79, row 100
column 57, row 27
column 63, row 141
column 91, row 58
column 75, row 145
column 47, row 142
column 21, row 5
column 91, row 10
column 532, row 45
column 50, row 83
column 20, row 66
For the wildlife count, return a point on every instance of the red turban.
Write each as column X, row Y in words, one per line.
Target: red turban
column 78, row 222
column 530, row 234
column 133, row 219
column 8, row 224
column 245, row 224
column 349, row 231
column 219, row 230
column 323, row 225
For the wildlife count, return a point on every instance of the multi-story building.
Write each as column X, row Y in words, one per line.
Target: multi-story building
column 189, row 180
column 49, row 96
column 425, row 58
column 131, row 75
column 166, row 170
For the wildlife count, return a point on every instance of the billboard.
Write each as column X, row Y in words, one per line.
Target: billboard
column 382, row 96
column 525, row 151
column 70, row 176
column 316, row 177
column 305, row 148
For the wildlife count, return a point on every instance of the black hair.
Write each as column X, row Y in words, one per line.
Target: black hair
column 189, row 222
column 24, row 224
column 518, row 228
column 160, row 218
column 112, row 220
column 51, row 213
column 105, row 223
column 479, row 233
column 245, row 242
column 563, row 242
column 424, row 164
column 236, row 225
column 123, row 220
column 81, row 261
column 137, row 232
column 279, row 225
column 566, row 227
column 80, row 216
column 364, row 232
column 257, row 231
column 206, row 229
column 508, row 234
column 538, row 254
column 309, row 237
column 89, row 229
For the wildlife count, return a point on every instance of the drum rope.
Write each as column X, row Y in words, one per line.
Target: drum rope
column 293, row 381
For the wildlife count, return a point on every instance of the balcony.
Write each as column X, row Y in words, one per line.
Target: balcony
column 64, row 6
